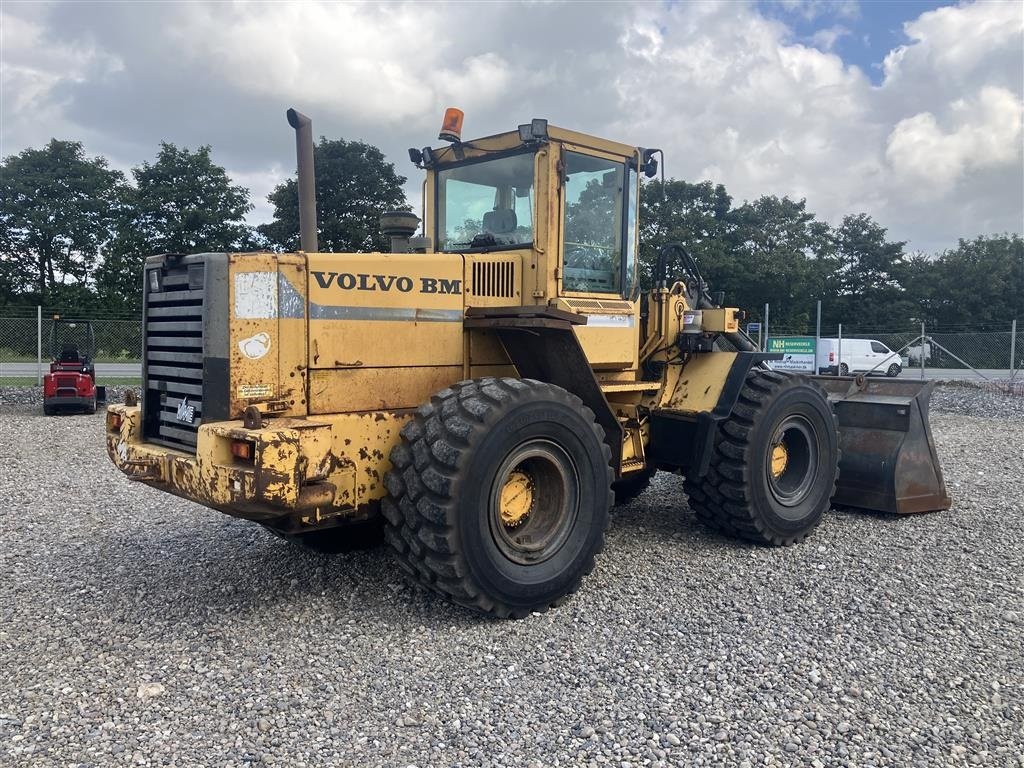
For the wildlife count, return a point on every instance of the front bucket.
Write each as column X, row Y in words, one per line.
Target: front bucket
column 889, row 461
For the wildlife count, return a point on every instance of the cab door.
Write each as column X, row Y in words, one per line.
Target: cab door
column 597, row 271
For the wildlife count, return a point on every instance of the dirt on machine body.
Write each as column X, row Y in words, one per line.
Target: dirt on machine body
column 491, row 388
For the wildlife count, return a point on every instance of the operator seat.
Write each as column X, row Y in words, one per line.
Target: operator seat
column 71, row 359
column 501, row 221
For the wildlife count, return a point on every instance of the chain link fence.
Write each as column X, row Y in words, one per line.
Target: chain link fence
column 26, row 348
column 936, row 353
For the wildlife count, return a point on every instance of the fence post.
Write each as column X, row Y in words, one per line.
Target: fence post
column 839, row 352
column 923, row 342
column 39, row 346
column 817, row 336
column 765, row 328
column 1013, row 349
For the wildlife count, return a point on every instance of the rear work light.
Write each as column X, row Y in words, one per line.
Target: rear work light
column 243, row 449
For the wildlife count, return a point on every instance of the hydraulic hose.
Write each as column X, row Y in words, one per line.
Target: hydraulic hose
column 740, row 340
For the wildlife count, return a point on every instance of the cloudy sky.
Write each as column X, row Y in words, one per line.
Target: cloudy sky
column 910, row 111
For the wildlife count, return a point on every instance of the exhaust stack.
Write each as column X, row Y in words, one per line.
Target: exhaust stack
column 307, row 180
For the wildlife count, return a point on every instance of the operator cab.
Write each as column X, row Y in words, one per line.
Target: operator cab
column 545, row 193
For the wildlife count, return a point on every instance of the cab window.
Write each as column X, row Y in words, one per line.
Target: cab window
column 486, row 204
column 879, row 347
column 632, row 275
column 593, row 226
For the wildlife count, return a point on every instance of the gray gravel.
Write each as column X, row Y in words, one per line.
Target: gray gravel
column 29, row 396
column 137, row 628
column 968, row 400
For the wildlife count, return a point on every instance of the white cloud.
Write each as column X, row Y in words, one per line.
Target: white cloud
column 33, row 71
column 741, row 104
column 728, row 93
column 827, row 37
column 985, row 133
column 812, row 9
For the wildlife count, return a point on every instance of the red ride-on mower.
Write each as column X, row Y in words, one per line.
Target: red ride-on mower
column 71, row 383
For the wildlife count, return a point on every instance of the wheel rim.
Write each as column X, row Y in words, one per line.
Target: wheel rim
column 792, row 462
column 534, row 502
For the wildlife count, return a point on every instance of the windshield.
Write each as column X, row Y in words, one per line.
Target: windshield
column 484, row 204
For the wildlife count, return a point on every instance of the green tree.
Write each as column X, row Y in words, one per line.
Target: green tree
column 57, row 208
column 694, row 215
column 771, row 250
column 978, row 283
column 869, row 272
column 780, row 256
column 354, row 186
column 182, row 203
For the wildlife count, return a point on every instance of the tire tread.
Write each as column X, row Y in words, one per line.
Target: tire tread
column 425, row 481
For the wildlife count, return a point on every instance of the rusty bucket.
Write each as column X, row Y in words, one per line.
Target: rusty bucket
column 888, row 462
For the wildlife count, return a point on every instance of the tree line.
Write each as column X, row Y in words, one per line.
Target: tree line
column 773, row 250
column 74, row 234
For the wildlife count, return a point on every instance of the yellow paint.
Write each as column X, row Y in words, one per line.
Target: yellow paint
column 377, row 389
column 696, row 386
column 724, row 320
column 780, row 458
column 516, row 498
column 275, row 380
column 336, row 350
column 327, row 467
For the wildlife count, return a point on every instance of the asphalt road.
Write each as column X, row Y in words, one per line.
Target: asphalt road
column 121, row 370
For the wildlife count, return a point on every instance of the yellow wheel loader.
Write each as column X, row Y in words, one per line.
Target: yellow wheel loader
column 488, row 389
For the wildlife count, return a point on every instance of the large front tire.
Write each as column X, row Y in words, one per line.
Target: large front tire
column 775, row 462
column 499, row 495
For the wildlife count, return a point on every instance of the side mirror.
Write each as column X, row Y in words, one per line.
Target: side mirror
column 650, row 165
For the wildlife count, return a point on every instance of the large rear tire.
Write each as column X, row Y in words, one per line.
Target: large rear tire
column 775, row 462
column 499, row 495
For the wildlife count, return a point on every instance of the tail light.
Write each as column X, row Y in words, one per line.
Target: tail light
column 243, row 449
column 831, row 357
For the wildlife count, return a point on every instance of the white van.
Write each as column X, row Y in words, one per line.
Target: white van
column 859, row 356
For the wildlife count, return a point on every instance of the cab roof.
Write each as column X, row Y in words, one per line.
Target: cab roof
column 510, row 141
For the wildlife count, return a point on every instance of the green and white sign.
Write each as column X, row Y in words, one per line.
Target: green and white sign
column 797, row 353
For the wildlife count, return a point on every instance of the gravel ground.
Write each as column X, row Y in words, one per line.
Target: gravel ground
column 137, row 628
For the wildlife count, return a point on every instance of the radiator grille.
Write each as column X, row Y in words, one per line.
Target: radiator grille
column 494, row 279
column 599, row 304
column 174, row 354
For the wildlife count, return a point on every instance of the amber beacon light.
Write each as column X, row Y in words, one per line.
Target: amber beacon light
column 451, row 126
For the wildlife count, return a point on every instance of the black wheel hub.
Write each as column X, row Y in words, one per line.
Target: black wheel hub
column 534, row 502
column 792, row 463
